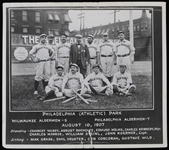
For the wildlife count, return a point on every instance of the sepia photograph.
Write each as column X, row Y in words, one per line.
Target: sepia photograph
column 108, row 40
column 84, row 75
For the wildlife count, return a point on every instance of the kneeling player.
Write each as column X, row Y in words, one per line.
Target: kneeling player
column 97, row 83
column 55, row 84
column 122, row 82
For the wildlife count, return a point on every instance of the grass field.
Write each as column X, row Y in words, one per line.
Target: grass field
column 22, row 98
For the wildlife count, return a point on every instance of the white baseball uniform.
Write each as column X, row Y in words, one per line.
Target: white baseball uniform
column 72, row 81
column 106, row 57
column 123, row 81
column 123, row 50
column 93, row 55
column 52, row 60
column 55, row 83
column 63, row 54
column 42, row 53
column 98, row 81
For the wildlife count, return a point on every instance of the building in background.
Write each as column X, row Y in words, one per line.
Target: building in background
column 38, row 21
column 141, row 29
column 27, row 24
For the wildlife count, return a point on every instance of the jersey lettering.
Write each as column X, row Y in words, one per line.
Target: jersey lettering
column 63, row 46
column 106, row 44
column 122, row 78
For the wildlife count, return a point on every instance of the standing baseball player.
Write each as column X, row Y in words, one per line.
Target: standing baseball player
column 92, row 47
column 124, row 51
column 97, row 83
column 41, row 53
column 106, row 56
column 55, row 84
column 63, row 53
column 122, row 82
column 52, row 58
column 72, row 80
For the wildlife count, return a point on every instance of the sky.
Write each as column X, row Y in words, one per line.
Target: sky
column 101, row 17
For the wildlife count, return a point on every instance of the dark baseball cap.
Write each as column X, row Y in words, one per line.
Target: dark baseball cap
column 120, row 32
column 42, row 35
column 96, row 65
column 78, row 36
column 50, row 36
column 122, row 64
column 73, row 64
column 59, row 66
column 90, row 35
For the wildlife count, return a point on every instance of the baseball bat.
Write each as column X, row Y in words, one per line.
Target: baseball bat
column 80, row 97
column 69, row 99
column 55, row 99
column 89, row 100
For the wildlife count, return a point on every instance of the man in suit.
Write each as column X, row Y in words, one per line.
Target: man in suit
column 79, row 54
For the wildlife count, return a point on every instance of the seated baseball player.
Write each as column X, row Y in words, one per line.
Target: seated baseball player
column 72, row 80
column 55, row 84
column 122, row 82
column 97, row 83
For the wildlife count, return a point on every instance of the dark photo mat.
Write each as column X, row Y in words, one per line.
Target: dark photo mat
column 156, row 115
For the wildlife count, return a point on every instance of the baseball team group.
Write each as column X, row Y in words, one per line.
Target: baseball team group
column 67, row 69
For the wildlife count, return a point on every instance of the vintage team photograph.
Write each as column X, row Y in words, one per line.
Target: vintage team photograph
column 80, row 58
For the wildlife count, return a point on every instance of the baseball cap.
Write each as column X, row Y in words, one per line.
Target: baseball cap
column 78, row 35
column 50, row 36
column 59, row 66
column 120, row 32
column 122, row 64
column 73, row 64
column 42, row 35
column 96, row 65
column 63, row 34
column 105, row 34
column 90, row 35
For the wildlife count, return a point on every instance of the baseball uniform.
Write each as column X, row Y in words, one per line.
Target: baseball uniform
column 54, row 84
column 93, row 54
column 123, row 81
column 63, row 54
column 52, row 60
column 42, row 53
column 105, row 50
column 99, row 82
column 123, row 50
column 72, row 81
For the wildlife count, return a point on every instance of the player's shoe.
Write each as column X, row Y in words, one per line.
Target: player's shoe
column 42, row 98
column 119, row 93
column 129, row 94
column 35, row 92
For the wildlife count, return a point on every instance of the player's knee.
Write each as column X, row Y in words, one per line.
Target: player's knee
column 109, row 92
column 59, row 94
column 68, row 93
column 47, row 89
column 86, row 91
